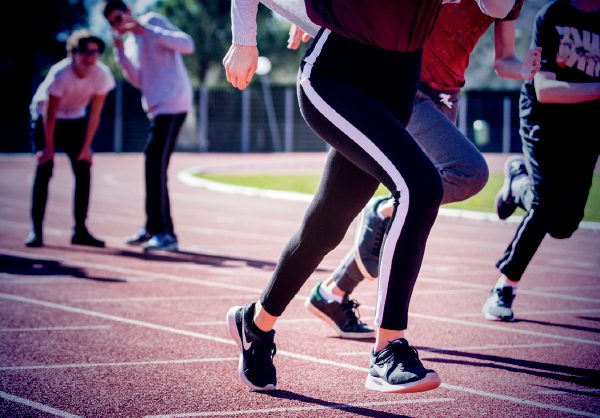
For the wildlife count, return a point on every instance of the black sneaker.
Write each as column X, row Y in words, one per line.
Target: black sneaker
column 498, row 306
column 369, row 239
column 342, row 317
column 506, row 203
column 255, row 366
column 397, row 369
column 34, row 240
column 139, row 238
column 83, row 237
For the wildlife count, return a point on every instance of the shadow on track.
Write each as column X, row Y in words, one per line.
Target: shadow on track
column 21, row 266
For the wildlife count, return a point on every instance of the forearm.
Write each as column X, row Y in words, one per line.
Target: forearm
column 173, row 39
column 129, row 71
column 92, row 127
column 509, row 67
column 554, row 91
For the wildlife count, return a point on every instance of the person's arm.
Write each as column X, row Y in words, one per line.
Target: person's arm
column 96, row 105
column 506, row 63
column 242, row 58
column 49, row 119
column 495, row 8
column 130, row 71
column 550, row 90
column 168, row 35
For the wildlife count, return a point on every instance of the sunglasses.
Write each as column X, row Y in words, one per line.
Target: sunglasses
column 116, row 21
column 87, row 52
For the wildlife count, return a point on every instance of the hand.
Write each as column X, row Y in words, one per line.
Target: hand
column 45, row 155
column 131, row 24
column 240, row 64
column 297, row 35
column 85, row 155
column 531, row 63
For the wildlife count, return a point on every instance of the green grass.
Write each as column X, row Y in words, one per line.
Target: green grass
column 307, row 183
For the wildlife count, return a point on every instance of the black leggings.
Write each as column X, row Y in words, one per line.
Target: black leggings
column 164, row 130
column 359, row 99
column 69, row 135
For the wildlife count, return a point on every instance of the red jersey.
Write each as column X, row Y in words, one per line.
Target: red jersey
column 456, row 32
column 394, row 25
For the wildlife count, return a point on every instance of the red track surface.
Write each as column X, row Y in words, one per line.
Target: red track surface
column 115, row 333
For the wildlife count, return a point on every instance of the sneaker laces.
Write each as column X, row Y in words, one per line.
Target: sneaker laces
column 505, row 296
column 350, row 308
column 401, row 351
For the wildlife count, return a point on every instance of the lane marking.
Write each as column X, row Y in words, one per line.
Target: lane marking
column 116, row 364
column 37, row 405
column 298, row 297
column 303, row 408
column 186, row 176
column 553, row 312
column 297, row 356
column 65, row 328
column 465, row 348
column 158, row 298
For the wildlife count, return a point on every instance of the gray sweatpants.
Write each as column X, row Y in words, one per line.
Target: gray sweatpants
column 463, row 169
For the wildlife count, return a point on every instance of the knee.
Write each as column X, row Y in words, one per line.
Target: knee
column 44, row 171
column 564, row 230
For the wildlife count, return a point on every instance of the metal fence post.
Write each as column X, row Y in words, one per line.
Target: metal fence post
column 289, row 120
column 506, row 124
column 118, row 125
column 245, row 138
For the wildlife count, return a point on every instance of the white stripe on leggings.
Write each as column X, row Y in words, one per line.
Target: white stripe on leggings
column 516, row 239
column 378, row 156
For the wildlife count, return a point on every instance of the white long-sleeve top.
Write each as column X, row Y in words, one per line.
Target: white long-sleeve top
column 243, row 15
column 153, row 63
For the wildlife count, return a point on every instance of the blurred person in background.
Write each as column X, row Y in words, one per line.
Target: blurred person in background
column 65, row 114
column 149, row 51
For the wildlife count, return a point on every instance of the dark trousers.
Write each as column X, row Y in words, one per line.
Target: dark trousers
column 164, row 130
column 561, row 155
column 359, row 99
column 69, row 135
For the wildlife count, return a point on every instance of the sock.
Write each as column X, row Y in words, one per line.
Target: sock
column 385, row 209
column 328, row 295
column 503, row 282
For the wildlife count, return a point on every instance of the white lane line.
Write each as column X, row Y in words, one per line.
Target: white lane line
column 186, row 176
column 328, row 406
column 281, row 352
column 521, row 291
column 465, row 348
column 116, row 364
column 158, row 298
column 36, row 405
column 212, row 283
column 554, row 312
column 567, row 391
column 65, row 328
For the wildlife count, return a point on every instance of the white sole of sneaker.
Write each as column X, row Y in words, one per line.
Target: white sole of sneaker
column 429, row 382
column 490, row 317
column 168, row 248
column 350, row 335
column 233, row 331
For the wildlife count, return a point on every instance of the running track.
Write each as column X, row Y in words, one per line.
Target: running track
column 115, row 333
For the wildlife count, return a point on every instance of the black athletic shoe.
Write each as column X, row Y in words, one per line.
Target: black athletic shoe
column 505, row 200
column 342, row 317
column 139, row 238
column 83, row 237
column 255, row 366
column 498, row 305
column 397, row 369
column 369, row 239
column 34, row 240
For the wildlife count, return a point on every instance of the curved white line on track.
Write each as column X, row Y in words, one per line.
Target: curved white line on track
column 187, row 177
column 36, row 405
column 298, row 356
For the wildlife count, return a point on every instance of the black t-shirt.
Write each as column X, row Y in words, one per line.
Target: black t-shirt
column 570, row 42
column 394, row 25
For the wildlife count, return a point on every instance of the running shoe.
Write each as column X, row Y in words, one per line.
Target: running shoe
column 506, row 202
column 343, row 317
column 397, row 369
column 140, row 237
column 161, row 242
column 498, row 305
column 369, row 239
column 255, row 365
